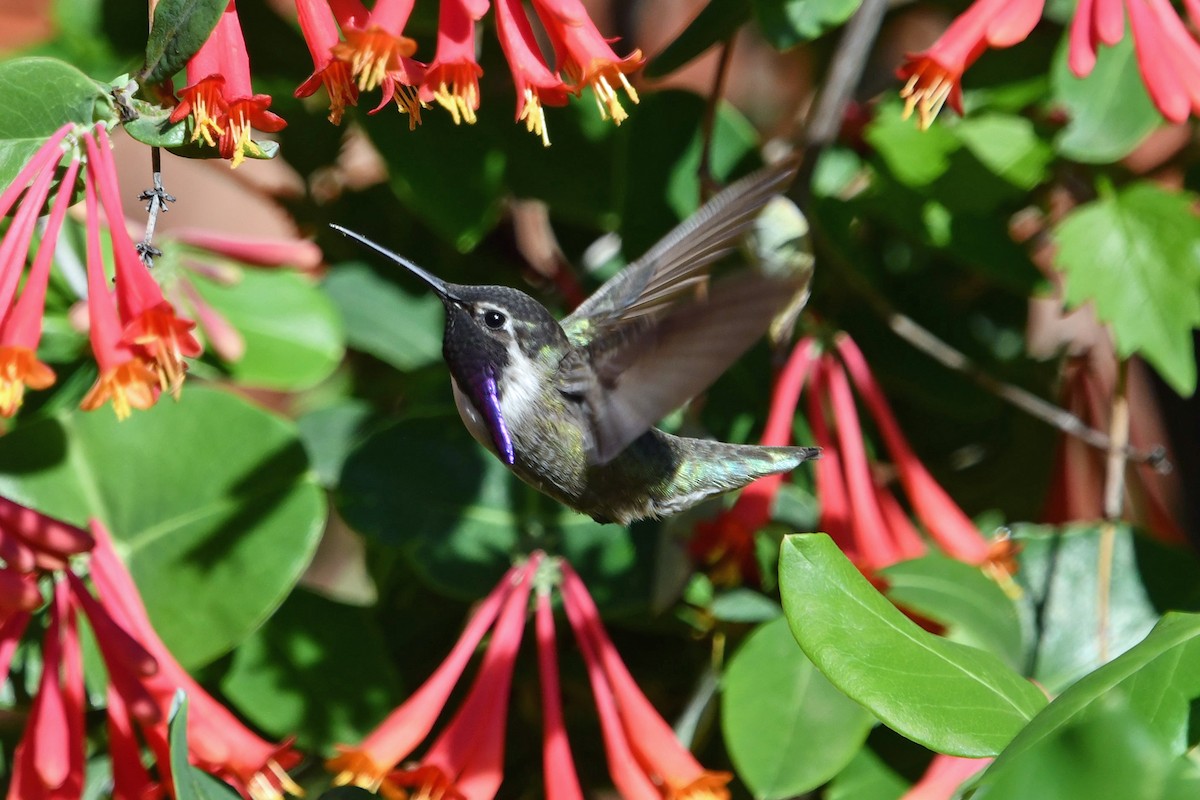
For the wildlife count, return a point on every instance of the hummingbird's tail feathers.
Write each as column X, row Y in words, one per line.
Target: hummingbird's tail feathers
column 681, row 259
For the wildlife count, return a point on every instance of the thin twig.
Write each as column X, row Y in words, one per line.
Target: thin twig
column 845, row 71
column 156, row 203
column 925, row 341
column 708, row 185
column 1114, row 493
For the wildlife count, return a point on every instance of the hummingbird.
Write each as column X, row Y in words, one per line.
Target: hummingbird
column 570, row 406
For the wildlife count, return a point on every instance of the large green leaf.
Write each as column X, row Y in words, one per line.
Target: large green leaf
column 1110, row 112
column 177, row 31
column 949, row 697
column 787, row 728
column 399, row 327
column 1135, row 254
column 317, row 669
column 787, row 23
column 1008, row 146
column 1059, row 574
column 973, row 608
column 293, row 333
column 39, row 96
column 210, row 500
column 426, row 486
column 1153, row 685
column 866, row 777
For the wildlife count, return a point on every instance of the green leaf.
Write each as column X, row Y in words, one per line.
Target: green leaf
column 1058, row 572
column 394, row 325
column 39, row 96
column 293, row 334
column 210, row 501
column 1008, row 146
column 1110, row 112
column 867, row 777
column 177, row 31
column 946, row 696
column 153, row 126
column 190, row 783
column 744, row 605
column 425, row 486
column 330, row 433
column 1146, row 694
column 314, row 648
column 959, row 596
column 787, row 23
column 914, row 157
column 1135, row 255
column 716, row 22
column 787, row 728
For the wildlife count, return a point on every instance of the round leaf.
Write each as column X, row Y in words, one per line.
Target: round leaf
column 210, row 501
column 787, row 728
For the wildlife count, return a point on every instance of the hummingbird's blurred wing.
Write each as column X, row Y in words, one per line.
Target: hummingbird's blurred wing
column 680, row 260
column 631, row 378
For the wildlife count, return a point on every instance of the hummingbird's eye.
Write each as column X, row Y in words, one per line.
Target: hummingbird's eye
column 494, row 319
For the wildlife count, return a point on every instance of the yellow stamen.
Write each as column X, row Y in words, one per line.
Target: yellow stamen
column 534, row 116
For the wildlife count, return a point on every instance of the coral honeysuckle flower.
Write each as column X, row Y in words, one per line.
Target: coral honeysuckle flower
column 727, row 542
column 321, row 35
column 585, row 57
column 452, row 78
column 932, row 77
column 369, row 764
column 151, row 326
column 218, row 742
column 375, row 43
column 644, row 757
column 219, row 97
column 30, row 540
column 49, row 761
column 943, row 777
column 467, row 758
column 536, row 85
column 558, row 766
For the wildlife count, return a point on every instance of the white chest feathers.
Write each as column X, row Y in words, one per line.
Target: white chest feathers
column 518, row 389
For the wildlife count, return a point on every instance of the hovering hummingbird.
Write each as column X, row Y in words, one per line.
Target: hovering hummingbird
column 570, row 406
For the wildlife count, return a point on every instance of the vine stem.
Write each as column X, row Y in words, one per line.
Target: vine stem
column 156, row 202
column 708, row 125
column 1114, row 493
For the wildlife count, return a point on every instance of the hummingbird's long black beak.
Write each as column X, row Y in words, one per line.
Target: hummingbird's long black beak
column 439, row 285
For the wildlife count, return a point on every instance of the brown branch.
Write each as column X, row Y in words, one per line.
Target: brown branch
column 708, row 184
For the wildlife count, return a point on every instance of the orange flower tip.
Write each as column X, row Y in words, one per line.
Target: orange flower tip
column 534, row 116
column 708, row 786
column 428, row 782
column 355, row 768
column 372, row 53
column 928, row 88
column 129, row 385
column 272, row 783
column 607, row 99
column 407, row 99
column 20, row 368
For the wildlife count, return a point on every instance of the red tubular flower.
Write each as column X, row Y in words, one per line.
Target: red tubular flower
column 21, row 329
column 947, row 524
column 369, row 764
column 12, row 628
column 219, row 96
column 645, row 759
column 584, row 56
column 218, row 741
column 467, row 759
column 943, row 777
column 452, row 79
column 300, row 254
column 536, row 85
column 30, row 540
column 49, row 760
column 375, row 43
column 932, row 77
column 728, row 541
column 558, row 767
column 321, row 35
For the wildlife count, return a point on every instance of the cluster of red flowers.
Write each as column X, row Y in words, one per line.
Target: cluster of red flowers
column 138, row 340
column 858, row 508
column 645, row 759
column 1168, row 55
column 375, row 53
column 143, row 677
